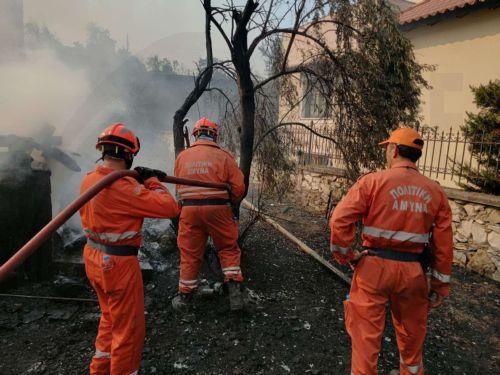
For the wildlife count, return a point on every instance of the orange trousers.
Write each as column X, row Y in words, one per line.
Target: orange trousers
column 117, row 281
column 376, row 282
column 195, row 225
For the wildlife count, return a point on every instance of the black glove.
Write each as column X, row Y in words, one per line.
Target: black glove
column 146, row 173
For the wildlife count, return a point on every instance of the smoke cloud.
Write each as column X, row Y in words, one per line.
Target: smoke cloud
column 39, row 89
column 79, row 89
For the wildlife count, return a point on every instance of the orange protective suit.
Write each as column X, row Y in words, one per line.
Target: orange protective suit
column 400, row 208
column 114, row 218
column 211, row 215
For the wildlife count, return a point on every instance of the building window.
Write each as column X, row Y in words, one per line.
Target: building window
column 313, row 104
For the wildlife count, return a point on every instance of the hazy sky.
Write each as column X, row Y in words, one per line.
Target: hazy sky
column 148, row 24
column 145, row 21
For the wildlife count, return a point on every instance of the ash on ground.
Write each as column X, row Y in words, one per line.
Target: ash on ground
column 293, row 323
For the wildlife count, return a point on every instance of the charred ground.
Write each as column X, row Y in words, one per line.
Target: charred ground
column 294, row 323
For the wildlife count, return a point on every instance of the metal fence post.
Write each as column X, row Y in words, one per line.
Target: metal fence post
column 309, row 159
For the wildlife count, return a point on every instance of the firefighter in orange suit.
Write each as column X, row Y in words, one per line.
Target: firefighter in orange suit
column 208, row 212
column 403, row 212
column 112, row 223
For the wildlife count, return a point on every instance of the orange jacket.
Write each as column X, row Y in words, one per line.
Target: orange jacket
column 206, row 161
column 115, row 215
column 399, row 208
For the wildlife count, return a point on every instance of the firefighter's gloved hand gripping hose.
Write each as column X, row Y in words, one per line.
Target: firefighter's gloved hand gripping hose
column 20, row 256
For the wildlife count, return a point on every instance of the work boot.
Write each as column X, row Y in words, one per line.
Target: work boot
column 183, row 302
column 235, row 295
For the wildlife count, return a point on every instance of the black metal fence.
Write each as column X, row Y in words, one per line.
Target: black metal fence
column 309, row 149
column 448, row 156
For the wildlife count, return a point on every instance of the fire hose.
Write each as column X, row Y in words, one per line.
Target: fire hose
column 32, row 245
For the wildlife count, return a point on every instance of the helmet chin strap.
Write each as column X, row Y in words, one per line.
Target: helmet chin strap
column 128, row 163
column 117, row 153
column 206, row 136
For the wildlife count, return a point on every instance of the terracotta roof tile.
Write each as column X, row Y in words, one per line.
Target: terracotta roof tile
column 429, row 8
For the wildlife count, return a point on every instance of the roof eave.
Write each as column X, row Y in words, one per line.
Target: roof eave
column 456, row 13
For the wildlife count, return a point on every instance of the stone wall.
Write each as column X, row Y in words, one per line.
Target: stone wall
column 315, row 189
column 476, row 223
column 476, row 230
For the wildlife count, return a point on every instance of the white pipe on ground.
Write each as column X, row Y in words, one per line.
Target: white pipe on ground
column 301, row 245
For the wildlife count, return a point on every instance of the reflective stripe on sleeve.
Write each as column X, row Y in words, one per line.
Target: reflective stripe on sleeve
column 440, row 276
column 339, row 249
column 100, row 354
column 111, row 237
column 396, row 235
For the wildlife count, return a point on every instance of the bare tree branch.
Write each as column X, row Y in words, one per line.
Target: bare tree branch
column 292, row 38
column 208, row 11
column 225, row 96
column 297, row 103
column 243, row 17
column 201, row 83
column 298, row 69
column 269, row 131
column 293, row 31
column 266, row 21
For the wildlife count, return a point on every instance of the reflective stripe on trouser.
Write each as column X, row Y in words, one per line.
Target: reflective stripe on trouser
column 232, row 272
column 118, row 284
column 195, row 225
column 340, row 249
column 410, row 369
column 377, row 281
column 188, row 285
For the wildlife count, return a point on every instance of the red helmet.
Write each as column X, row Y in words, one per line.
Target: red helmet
column 206, row 125
column 117, row 134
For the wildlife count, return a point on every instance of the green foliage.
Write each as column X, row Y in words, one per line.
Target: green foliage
column 488, row 96
column 366, row 73
column 157, row 65
column 482, row 130
column 381, row 90
column 100, row 39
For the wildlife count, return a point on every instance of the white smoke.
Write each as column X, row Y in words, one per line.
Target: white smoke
column 81, row 89
column 38, row 89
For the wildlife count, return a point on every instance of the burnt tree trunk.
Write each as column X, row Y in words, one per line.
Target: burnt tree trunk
column 241, row 60
column 178, row 130
column 247, row 103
